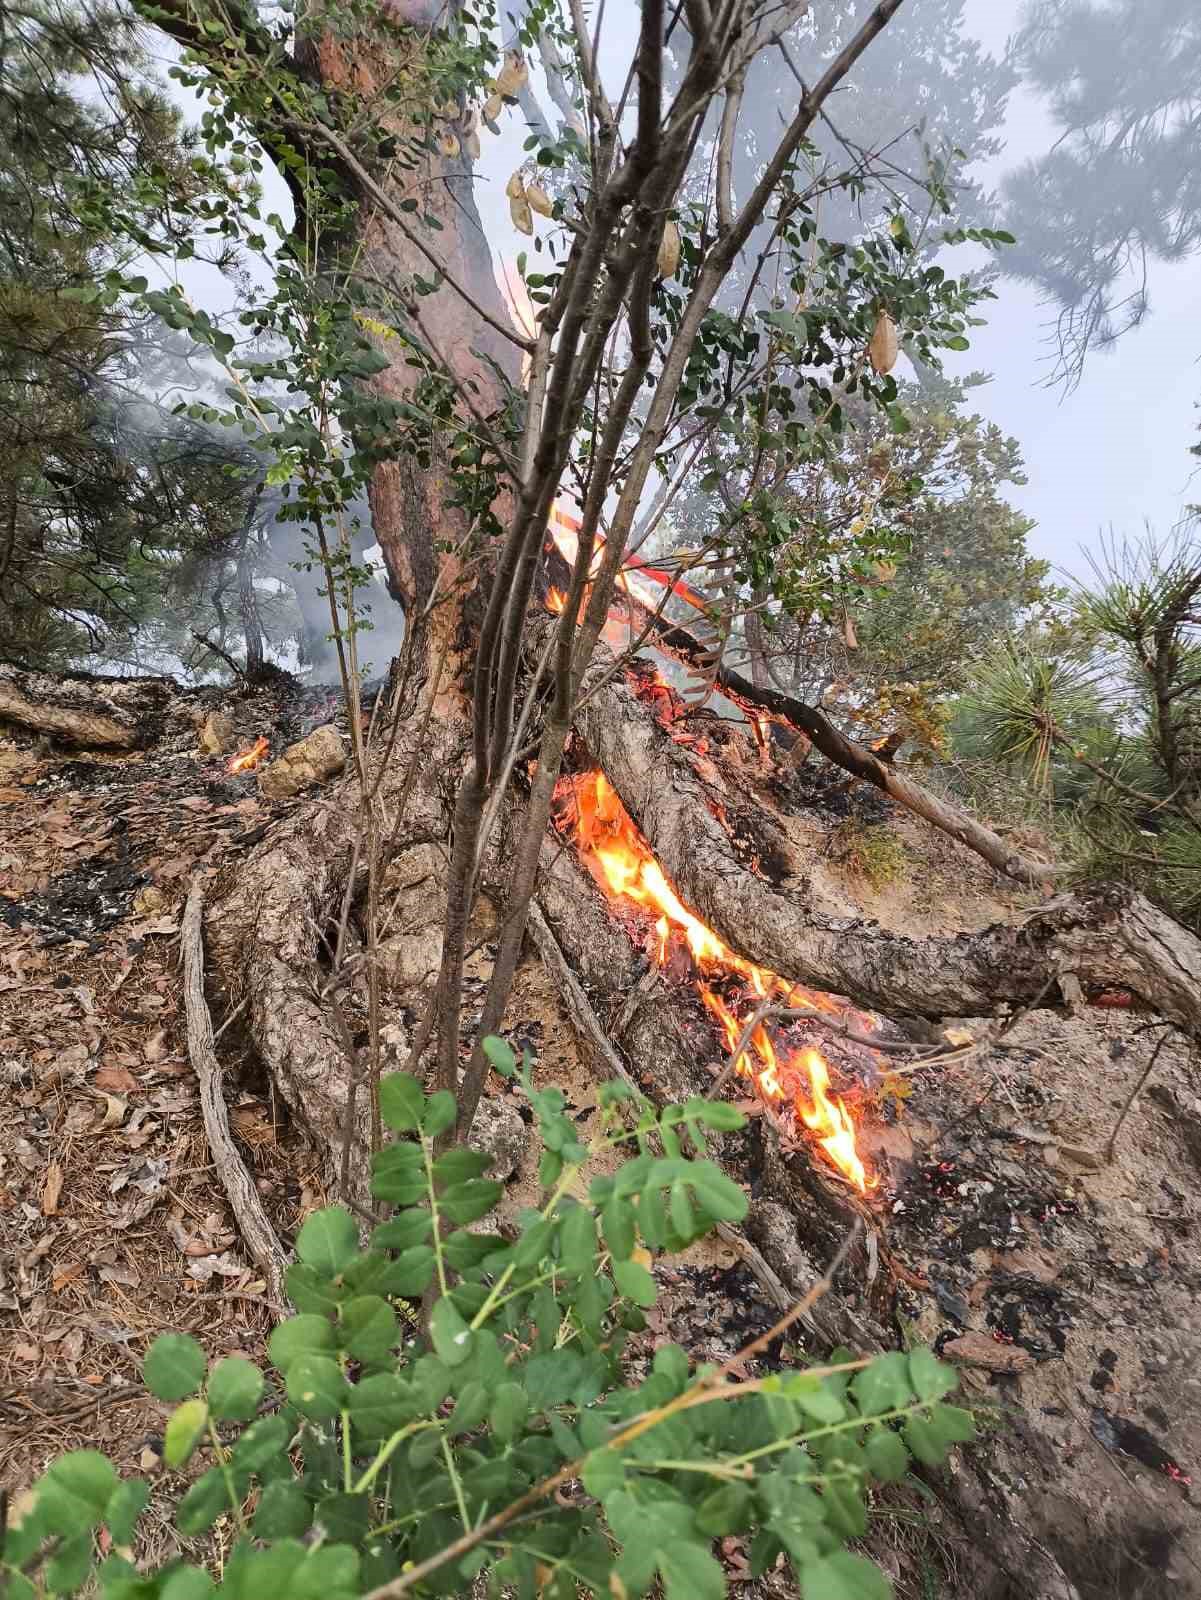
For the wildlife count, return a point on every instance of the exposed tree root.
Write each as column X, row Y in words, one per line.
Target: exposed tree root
column 1108, row 936
column 252, row 1221
column 264, row 927
column 91, row 713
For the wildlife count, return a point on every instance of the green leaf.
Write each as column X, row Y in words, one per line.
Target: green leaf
column 450, row 1334
column 329, row 1573
column 953, row 1423
column 343, row 1518
column 329, row 1240
column 468, row 1202
column 501, row 1055
column 401, row 1102
column 186, row 1583
column 75, row 1491
column 262, row 1444
column 234, row 1389
column 68, row 1568
column 471, row 1407
column 577, row 1240
column 305, row 1335
column 309, row 1291
column 726, row 1510
column 126, row 1504
column 185, row 1428
column 460, row 1165
column 465, row 1250
column 957, row 342
column 440, row 1114
column 635, row 1282
column 380, row 1405
column 403, row 1232
column 683, row 1218
column 617, row 1224
column 433, row 1381
column 510, row 1407
column 174, row 1367
column 690, row 1572
column 368, row 1329
column 284, row 1512
column 930, row 1377
column 842, row 1576
column 925, row 1442
column 883, row 1386
column 719, row 1194
column 316, row 1387
column 844, row 1508
column 816, row 1398
column 886, row 1455
column 603, row 1473
column 203, row 1504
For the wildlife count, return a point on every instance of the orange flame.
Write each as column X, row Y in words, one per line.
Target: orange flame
column 556, row 601
column 246, row 760
column 621, row 863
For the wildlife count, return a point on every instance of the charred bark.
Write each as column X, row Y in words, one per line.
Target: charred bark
column 1106, row 936
column 859, row 761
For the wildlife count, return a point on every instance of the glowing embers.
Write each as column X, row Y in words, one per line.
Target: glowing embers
column 622, row 865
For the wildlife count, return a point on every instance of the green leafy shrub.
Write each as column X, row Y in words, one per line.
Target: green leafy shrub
column 508, row 1440
column 872, row 852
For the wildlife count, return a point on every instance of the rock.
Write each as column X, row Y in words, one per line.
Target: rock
column 499, row 1130
column 310, row 760
column 217, row 734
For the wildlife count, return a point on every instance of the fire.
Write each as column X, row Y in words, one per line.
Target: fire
column 622, row 864
column 556, row 601
column 246, row 760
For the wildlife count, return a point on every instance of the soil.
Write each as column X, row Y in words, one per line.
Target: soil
column 996, row 1218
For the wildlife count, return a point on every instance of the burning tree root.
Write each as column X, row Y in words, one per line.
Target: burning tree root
column 608, row 1062
column 244, row 1200
column 1107, row 936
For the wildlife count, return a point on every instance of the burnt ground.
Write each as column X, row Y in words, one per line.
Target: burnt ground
column 1065, row 1287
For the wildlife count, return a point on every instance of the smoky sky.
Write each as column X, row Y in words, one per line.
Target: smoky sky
column 1113, row 453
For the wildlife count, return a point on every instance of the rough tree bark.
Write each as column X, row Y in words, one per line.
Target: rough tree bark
column 266, row 931
column 1106, row 937
column 91, row 713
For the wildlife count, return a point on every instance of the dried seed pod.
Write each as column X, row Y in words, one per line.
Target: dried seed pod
column 515, row 188
column 471, row 134
column 669, row 250
column 884, row 346
column 449, row 110
column 850, row 638
column 539, row 200
column 523, row 217
column 449, row 145
column 493, row 106
column 512, row 77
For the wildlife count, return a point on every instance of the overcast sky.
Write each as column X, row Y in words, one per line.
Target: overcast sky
column 1115, row 452
column 1112, row 454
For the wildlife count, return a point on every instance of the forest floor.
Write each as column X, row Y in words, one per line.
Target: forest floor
column 1065, row 1285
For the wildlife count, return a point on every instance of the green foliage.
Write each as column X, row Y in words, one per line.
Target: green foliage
column 438, row 1456
column 1116, row 190
column 1099, row 713
column 874, row 853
